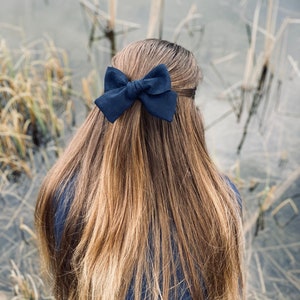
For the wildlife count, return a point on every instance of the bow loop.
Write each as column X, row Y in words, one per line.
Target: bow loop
column 158, row 80
column 154, row 91
column 114, row 79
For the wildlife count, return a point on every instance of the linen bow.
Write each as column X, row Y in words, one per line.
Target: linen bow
column 153, row 90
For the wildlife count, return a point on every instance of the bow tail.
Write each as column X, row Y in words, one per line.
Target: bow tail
column 162, row 106
column 114, row 103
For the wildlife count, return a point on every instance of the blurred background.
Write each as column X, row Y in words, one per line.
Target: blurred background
column 53, row 55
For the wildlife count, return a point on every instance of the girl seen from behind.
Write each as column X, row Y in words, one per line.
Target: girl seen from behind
column 135, row 208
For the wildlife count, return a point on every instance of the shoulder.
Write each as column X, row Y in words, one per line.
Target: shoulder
column 235, row 190
column 63, row 200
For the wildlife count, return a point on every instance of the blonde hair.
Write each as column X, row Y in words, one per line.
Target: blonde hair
column 146, row 200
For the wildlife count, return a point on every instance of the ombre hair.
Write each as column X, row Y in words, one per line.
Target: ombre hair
column 144, row 200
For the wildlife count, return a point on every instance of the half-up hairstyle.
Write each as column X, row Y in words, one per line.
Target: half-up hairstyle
column 141, row 210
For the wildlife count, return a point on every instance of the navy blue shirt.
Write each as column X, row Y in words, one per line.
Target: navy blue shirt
column 62, row 210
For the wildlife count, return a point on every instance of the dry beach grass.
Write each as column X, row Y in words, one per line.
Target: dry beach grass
column 34, row 86
column 35, row 97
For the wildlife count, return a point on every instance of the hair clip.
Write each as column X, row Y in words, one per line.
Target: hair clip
column 153, row 90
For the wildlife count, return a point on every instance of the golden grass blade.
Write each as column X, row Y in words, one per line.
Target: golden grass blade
column 260, row 273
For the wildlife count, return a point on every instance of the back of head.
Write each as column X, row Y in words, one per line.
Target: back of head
column 146, row 213
column 138, row 58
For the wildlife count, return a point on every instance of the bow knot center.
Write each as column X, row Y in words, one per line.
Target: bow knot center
column 134, row 89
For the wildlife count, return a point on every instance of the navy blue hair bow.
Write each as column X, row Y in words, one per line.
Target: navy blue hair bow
column 154, row 91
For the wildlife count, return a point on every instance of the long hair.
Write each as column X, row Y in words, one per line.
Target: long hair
column 145, row 200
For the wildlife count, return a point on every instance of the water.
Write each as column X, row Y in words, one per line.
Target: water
column 270, row 153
